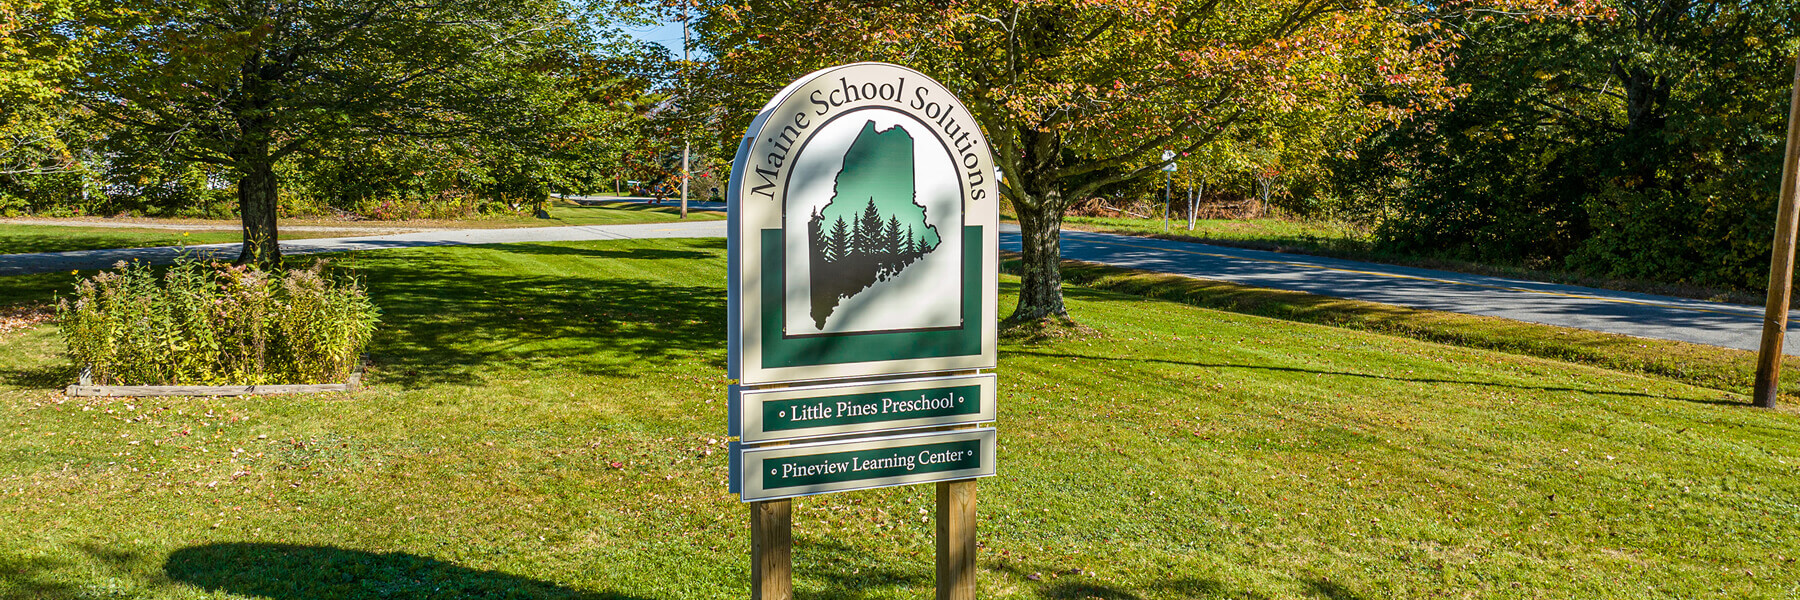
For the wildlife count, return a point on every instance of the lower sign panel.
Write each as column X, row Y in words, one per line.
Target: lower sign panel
column 807, row 469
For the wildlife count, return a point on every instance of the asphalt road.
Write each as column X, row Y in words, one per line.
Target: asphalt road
column 1641, row 315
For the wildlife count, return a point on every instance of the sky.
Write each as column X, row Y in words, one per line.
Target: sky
column 668, row 34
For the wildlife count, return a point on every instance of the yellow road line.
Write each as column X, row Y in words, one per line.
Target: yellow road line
column 1418, row 278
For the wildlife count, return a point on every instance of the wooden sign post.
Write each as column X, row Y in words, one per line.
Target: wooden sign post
column 772, row 550
column 864, row 255
column 956, row 540
column 1781, row 262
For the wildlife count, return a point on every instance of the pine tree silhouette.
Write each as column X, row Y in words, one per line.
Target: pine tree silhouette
column 837, row 244
column 890, row 244
column 870, row 228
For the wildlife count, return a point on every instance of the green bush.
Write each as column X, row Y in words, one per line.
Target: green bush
column 210, row 324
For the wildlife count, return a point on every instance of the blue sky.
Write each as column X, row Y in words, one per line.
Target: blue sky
column 668, row 34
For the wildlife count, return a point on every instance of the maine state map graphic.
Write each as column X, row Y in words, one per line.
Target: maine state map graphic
column 874, row 227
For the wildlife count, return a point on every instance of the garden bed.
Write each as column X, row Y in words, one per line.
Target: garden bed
column 83, row 389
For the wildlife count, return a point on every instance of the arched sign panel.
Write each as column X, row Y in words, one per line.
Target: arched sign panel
column 863, row 232
column 864, row 248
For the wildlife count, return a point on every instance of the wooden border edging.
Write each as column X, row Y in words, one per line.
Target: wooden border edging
column 355, row 383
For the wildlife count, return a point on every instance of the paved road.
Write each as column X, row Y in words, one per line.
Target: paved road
column 21, row 264
column 1641, row 315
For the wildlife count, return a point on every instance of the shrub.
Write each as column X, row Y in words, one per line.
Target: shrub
column 210, row 324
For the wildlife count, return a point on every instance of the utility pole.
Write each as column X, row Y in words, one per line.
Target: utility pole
column 685, row 125
column 1168, row 175
column 1168, row 201
column 1781, row 261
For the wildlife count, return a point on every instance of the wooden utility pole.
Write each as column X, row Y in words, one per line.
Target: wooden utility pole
column 772, row 550
column 1781, row 261
column 956, row 540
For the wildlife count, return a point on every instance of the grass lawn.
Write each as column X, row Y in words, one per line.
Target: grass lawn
column 544, row 422
column 1698, row 364
column 17, row 238
column 1264, row 233
column 619, row 213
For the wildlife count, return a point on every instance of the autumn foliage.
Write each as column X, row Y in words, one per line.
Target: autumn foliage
column 1080, row 96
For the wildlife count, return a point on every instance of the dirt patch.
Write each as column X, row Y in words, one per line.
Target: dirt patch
column 1046, row 330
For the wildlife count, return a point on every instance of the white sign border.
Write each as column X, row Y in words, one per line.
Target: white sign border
column 746, row 408
column 748, row 483
column 744, row 244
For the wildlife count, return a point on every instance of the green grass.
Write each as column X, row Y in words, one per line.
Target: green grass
column 19, row 239
column 1697, row 364
column 1190, row 453
column 16, row 239
column 619, row 213
column 1264, row 234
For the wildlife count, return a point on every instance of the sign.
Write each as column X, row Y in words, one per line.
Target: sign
column 864, row 236
column 776, row 472
column 863, row 242
column 833, row 410
column 1168, row 155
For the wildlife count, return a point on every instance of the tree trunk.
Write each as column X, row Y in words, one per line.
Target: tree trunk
column 1040, row 202
column 256, row 202
column 1194, row 203
column 1040, row 274
column 1646, row 96
column 253, row 160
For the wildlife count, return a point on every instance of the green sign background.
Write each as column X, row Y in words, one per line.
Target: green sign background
column 777, row 415
column 969, row 458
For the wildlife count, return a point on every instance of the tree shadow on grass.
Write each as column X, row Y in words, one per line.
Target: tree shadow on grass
column 826, row 568
column 449, row 321
column 1543, row 388
column 52, row 376
column 295, row 572
column 847, row 572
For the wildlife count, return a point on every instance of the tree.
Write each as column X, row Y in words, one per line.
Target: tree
column 868, row 230
column 1081, row 96
column 890, row 239
column 244, row 84
column 37, row 54
column 839, row 241
column 1645, row 143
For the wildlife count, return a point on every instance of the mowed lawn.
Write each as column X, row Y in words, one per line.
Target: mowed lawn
column 546, row 420
column 24, row 238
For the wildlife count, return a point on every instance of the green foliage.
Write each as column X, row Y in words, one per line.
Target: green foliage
column 1081, row 98
column 206, row 325
column 1644, row 142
